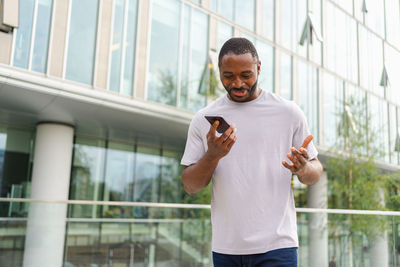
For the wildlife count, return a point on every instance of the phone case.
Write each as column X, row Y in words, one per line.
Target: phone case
column 223, row 125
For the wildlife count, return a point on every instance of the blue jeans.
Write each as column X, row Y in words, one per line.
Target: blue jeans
column 284, row 257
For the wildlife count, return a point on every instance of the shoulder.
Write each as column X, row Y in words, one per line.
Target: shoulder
column 286, row 106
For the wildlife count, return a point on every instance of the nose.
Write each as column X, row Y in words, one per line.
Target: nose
column 237, row 82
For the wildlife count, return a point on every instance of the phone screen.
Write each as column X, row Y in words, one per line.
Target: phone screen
column 223, row 125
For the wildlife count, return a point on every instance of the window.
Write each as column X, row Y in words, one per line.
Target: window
column 268, row 19
column 393, row 132
column 293, row 15
column 82, row 41
column 345, row 4
column 32, row 36
column 357, row 103
column 225, row 32
column 87, row 175
column 392, row 64
column 119, row 168
column 341, row 43
column 16, row 152
column 245, row 13
column 370, row 51
column 393, row 21
column 198, row 70
column 308, row 95
column 166, row 48
column 266, row 55
column 123, row 46
column 332, row 108
column 315, row 50
column 115, row 171
column 378, row 129
column 241, row 12
column 375, row 18
column 285, row 75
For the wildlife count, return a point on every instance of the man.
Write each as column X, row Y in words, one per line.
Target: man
column 252, row 207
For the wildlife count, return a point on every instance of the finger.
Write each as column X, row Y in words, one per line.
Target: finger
column 213, row 129
column 304, row 152
column 231, row 138
column 225, row 135
column 296, row 162
column 301, row 159
column 288, row 166
column 232, row 143
column 307, row 141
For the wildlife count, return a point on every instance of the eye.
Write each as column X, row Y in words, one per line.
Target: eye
column 228, row 76
column 246, row 76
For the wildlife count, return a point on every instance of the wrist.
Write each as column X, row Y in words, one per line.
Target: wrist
column 211, row 158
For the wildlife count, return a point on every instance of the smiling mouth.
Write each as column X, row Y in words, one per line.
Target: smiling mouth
column 239, row 92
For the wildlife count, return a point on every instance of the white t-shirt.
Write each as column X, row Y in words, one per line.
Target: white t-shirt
column 252, row 206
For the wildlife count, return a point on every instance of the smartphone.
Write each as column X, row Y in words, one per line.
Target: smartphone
column 223, row 125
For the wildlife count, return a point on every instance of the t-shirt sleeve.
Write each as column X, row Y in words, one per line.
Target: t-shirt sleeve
column 194, row 149
column 301, row 132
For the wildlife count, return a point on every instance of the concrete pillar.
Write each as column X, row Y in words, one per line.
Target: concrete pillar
column 379, row 249
column 318, row 224
column 45, row 233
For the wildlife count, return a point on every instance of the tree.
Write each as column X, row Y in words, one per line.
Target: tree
column 355, row 181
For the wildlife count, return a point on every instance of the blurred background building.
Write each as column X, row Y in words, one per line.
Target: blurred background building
column 95, row 101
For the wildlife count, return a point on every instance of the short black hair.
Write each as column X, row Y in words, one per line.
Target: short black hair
column 237, row 46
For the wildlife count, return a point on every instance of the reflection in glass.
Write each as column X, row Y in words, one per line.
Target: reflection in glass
column 245, row 13
column 171, row 177
column 308, row 95
column 332, row 108
column 225, row 32
column 42, row 33
column 370, row 51
column 184, row 98
column 116, row 47
column 87, row 175
column 392, row 9
column 346, row 5
column 266, row 56
column 16, row 153
column 31, row 13
column 315, row 49
column 341, row 43
column 375, row 18
column 147, row 174
column 226, row 8
column 164, row 45
column 293, row 15
column 379, row 130
column 393, row 133
column 199, row 70
column 82, row 41
column 119, row 172
column 285, row 75
column 24, row 34
column 123, row 46
column 392, row 64
column 268, row 19
column 357, row 97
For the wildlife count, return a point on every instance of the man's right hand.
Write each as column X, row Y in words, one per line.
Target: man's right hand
column 219, row 147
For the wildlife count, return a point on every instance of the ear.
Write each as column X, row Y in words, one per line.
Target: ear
column 258, row 67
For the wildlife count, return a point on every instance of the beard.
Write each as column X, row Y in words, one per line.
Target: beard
column 251, row 91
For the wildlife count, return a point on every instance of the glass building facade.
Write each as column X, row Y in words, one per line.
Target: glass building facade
column 128, row 75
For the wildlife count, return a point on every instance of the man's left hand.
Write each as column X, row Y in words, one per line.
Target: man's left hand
column 298, row 157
